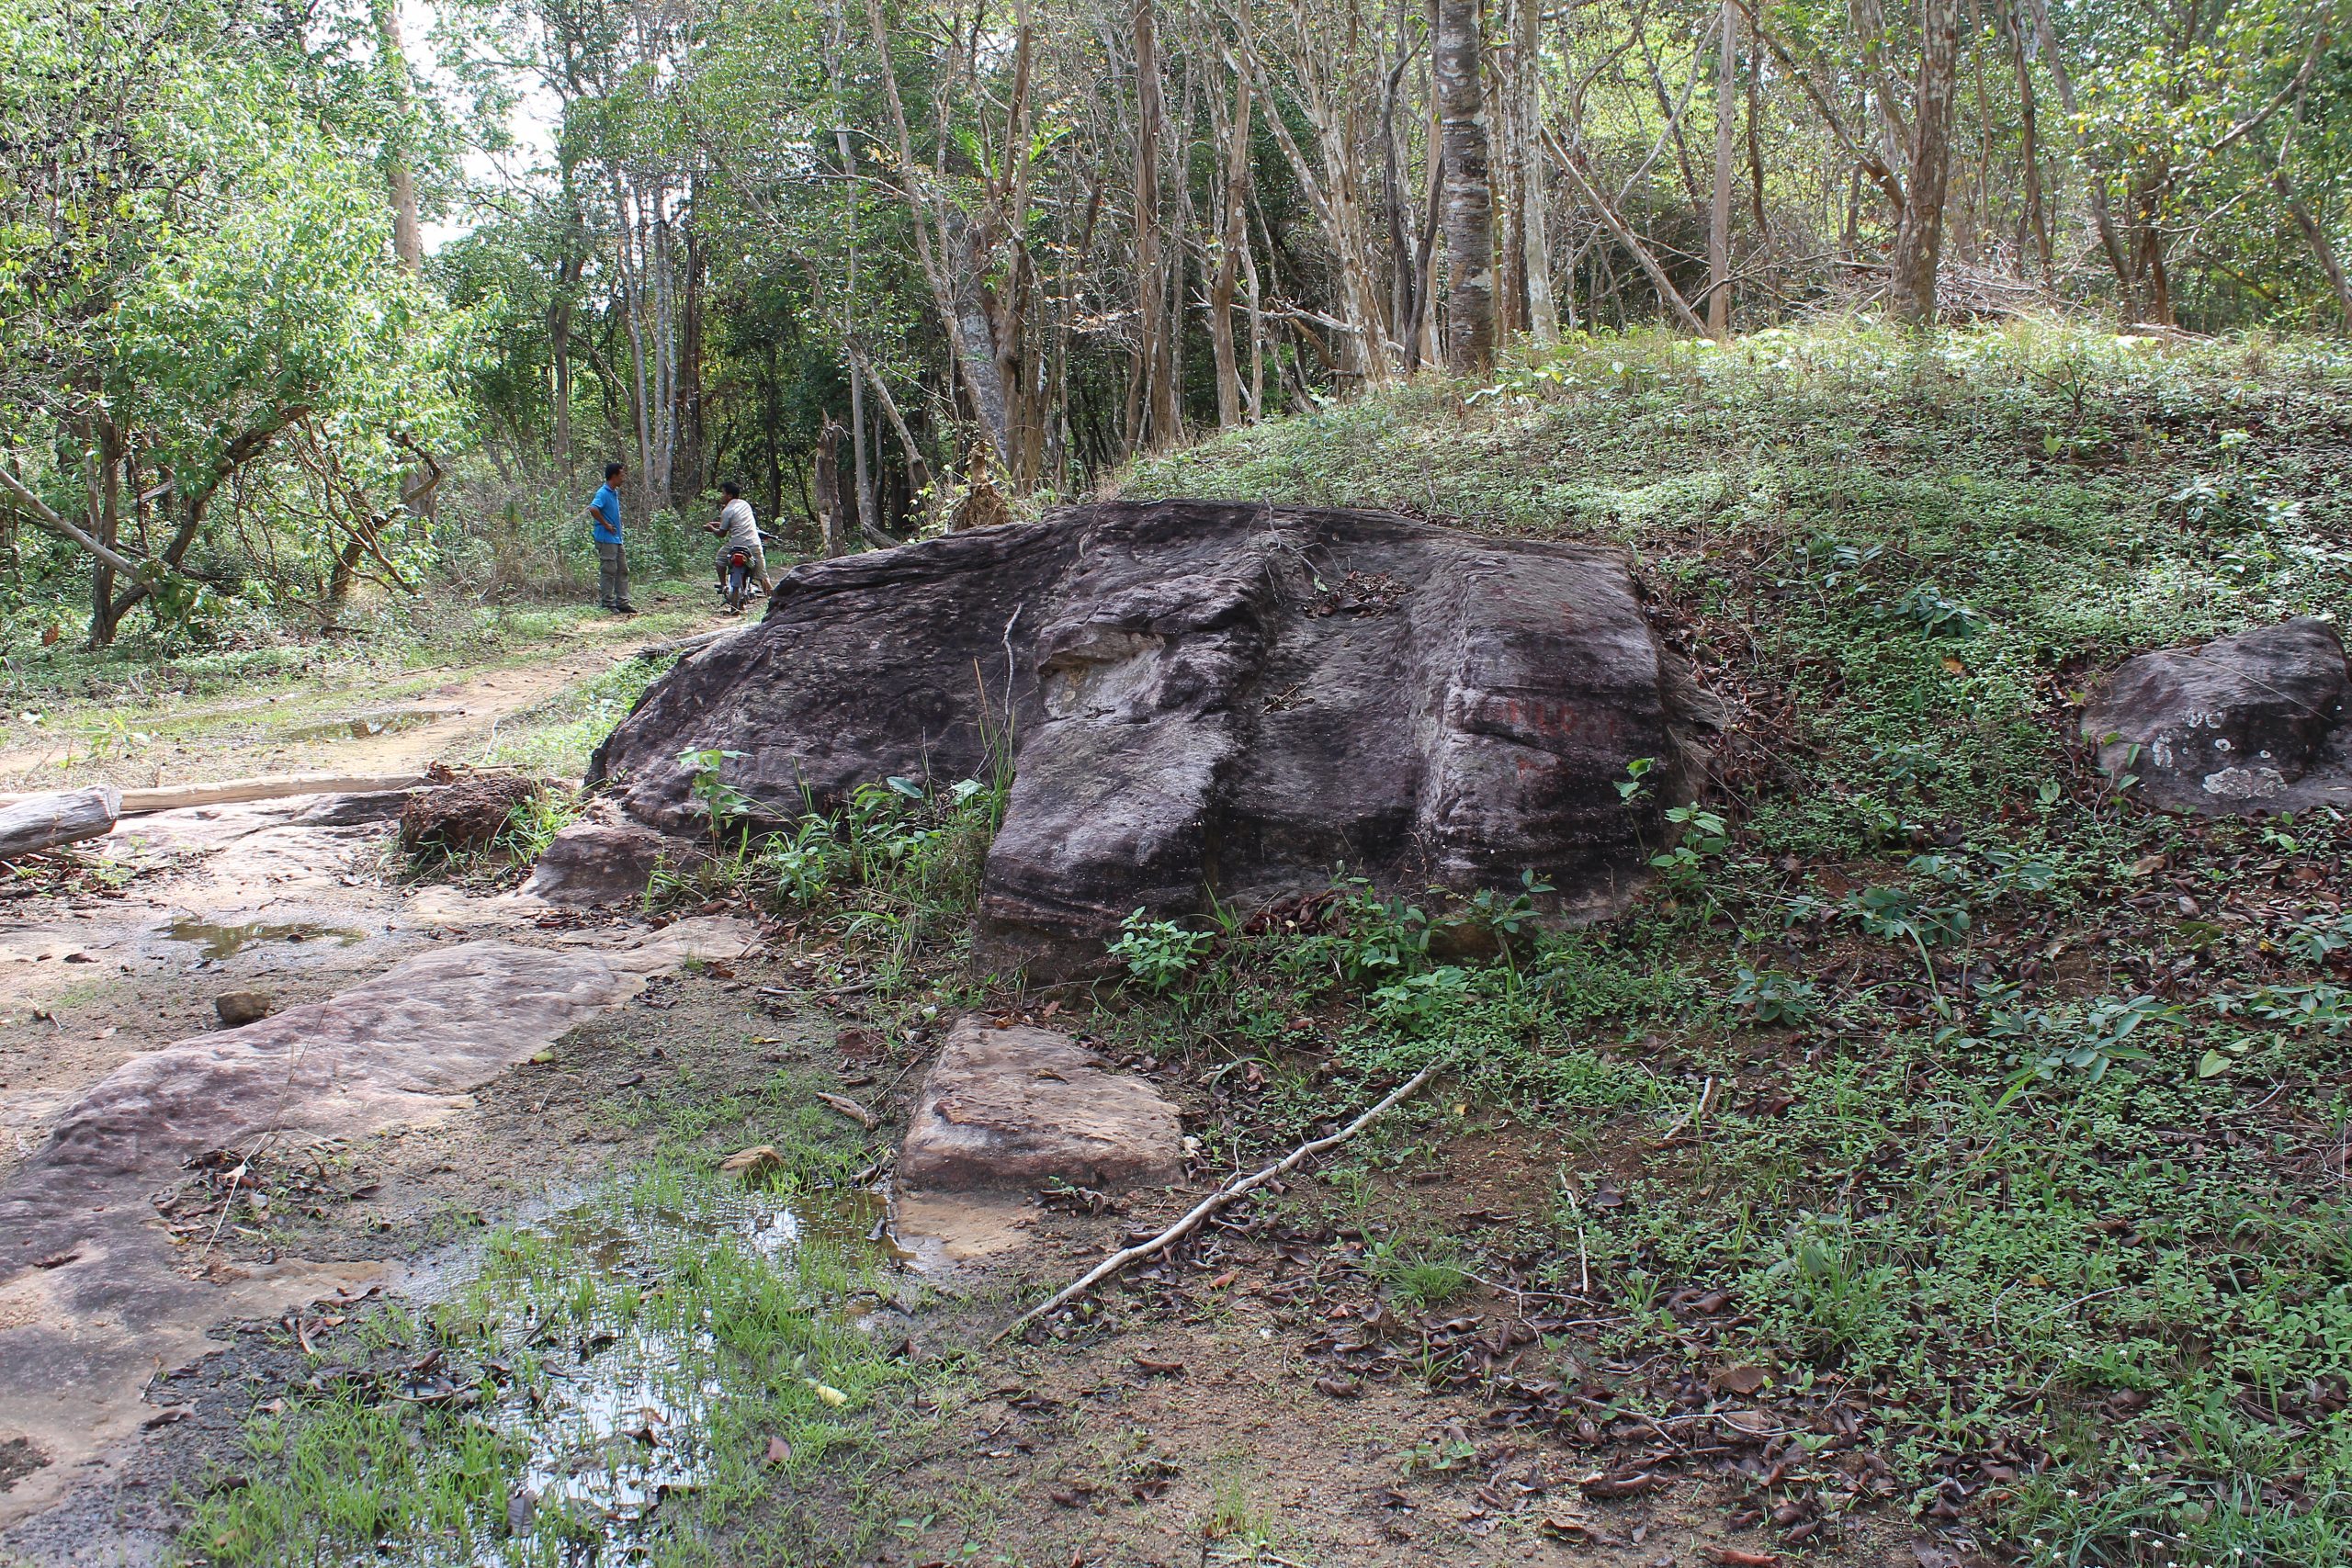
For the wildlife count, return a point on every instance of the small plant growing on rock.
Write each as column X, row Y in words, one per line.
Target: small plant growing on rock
column 1157, row 953
column 721, row 802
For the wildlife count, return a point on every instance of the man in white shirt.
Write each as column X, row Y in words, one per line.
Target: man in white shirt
column 742, row 532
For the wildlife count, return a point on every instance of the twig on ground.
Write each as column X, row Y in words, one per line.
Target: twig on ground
column 1209, row 1205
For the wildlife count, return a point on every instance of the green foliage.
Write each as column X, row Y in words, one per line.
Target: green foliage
column 1158, row 955
column 1775, row 999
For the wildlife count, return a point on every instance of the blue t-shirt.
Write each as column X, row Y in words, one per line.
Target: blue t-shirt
column 608, row 525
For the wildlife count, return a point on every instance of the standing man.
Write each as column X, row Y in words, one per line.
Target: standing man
column 612, row 568
column 742, row 532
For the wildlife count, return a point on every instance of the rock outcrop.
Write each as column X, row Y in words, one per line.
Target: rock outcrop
column 1013, row 1108
column 2243, row 724
column 595, row 862
column 1202, row 700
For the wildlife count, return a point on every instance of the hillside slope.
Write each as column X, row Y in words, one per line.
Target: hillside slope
column 2076, row 1314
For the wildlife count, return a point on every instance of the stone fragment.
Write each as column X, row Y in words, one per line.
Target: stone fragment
column 238, row 1008
column 2243, row 724
column 593, row 862
column 1014, row 1108
column 1203, row 702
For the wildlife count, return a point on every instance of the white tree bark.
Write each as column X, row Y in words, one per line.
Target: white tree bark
column 47, row 821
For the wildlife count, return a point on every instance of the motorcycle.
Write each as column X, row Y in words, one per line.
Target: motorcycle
column 738, row 579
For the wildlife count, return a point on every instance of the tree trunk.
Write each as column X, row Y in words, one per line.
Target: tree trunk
column 1919, row 243
column 2315, row 234
column 1157, row 421
column 2034, row 222
column 1469, row 194
column 1535, row 214
column 408, row 238
column 1719, row 209
column 825, row 492
column 1230, row 242
column 2094, row 178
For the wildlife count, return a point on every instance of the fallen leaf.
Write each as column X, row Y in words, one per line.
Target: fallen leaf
column 1733, row 1556
column 851, row 1108
column 779, row 1451
column 1742, row 1381
column 831, row 1396
column 753, row 1162
column 1622, row 1484
column 1160, row 1368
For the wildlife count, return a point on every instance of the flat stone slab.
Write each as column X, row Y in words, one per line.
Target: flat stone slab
column 2250, row 723
column 1013, row 1108
column 93, row 1298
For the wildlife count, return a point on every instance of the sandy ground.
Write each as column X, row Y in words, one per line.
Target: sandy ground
column 385, row 725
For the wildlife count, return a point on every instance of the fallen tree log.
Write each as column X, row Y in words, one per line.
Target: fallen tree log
column 47, row 821
column 274, row 786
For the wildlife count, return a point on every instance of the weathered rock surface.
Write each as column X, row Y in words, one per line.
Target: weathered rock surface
column 594, row 862
column 1202, row 699
column 1011, row 1110
column 93, row 1296
column 2243, row 724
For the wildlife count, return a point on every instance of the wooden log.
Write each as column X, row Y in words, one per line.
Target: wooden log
column 46, row 821
column 275, row 786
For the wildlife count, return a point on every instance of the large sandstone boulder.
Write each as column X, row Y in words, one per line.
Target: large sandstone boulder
column 1202, row 700
column 1013, row 1108
column 2254, row 722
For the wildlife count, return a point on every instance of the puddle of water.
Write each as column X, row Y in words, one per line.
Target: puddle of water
column 366, row 726
column 630, row 1359
column 220, row 942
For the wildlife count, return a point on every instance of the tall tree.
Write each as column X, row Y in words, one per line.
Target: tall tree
column 1919, row 244
column 1719, row 209
column 1469, row 192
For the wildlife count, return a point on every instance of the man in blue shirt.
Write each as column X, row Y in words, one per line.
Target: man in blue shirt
column 612, row 568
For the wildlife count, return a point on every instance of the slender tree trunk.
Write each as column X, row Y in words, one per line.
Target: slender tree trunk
column 1230, row 245
column 1535, row 214
column 2033, row 222
column 1919, row 243
column 1469, row 194
column 1158, row 422
column 868, row 525
column 687, row 479
column 408, row 238
column 2094, row 178
column 1719, row 209
column 2315, row 234
column 1756, row 146
column 109, row 511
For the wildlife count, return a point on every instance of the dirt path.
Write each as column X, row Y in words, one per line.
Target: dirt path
column 452, row 715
